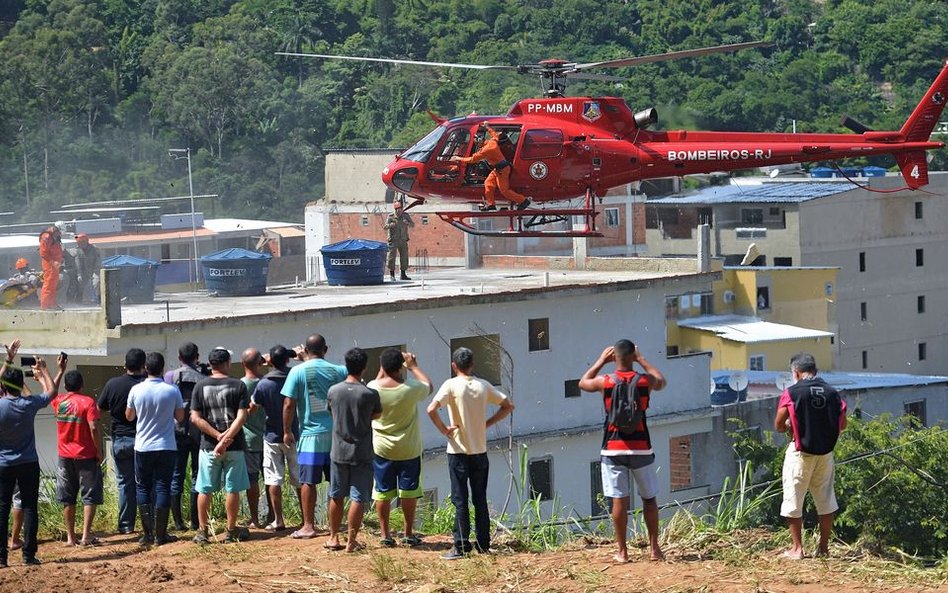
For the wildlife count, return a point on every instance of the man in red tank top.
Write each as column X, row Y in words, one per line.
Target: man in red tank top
column 627, row 455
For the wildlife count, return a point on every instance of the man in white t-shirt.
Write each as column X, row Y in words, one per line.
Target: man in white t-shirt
column 466, row 397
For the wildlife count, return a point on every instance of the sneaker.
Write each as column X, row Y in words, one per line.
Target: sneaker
column 524, row 204
column 487, row 207
column 201, row 538
column 238, row 534
column 452, row 554
column 32, row 561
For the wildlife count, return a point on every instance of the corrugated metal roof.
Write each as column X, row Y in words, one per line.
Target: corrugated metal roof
column 844, row 381
column 226, row 225
column 768, row 193
column 749, row 330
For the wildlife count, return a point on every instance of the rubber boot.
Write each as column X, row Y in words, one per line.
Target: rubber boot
column 195, row 525
column 405, row 276
column 392, row 274
column 147, row 513
column 176, row 513
column 161, row 527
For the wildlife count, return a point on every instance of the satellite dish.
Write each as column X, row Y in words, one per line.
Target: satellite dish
column 783, row 381
column 714, row 386
column 737, row 381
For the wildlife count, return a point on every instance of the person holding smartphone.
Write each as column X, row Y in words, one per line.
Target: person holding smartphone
column 19, row 462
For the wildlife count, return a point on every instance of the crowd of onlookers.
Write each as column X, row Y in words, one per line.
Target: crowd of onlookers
column 317, row 421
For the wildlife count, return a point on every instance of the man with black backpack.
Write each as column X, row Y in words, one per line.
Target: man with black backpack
column 187, row 437
column 626, row 445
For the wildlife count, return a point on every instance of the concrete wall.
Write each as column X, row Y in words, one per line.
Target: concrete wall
column 884, row 227
column 356, row 176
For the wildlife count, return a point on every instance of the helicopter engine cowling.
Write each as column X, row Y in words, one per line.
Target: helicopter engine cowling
column 646, row 117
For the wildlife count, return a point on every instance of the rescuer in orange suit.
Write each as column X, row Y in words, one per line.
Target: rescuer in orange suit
column 498, row 181
column 51, row 253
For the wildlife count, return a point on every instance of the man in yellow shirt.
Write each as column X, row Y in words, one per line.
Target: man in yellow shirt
column 397, row 440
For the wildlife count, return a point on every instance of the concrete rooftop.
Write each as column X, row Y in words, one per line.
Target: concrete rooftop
column 439, row 288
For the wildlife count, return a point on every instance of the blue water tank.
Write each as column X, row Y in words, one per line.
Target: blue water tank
column 355, row 262
column 236, row 272
column 137, row 277
column 873, row 171
column 821, row 172
column 848, row 172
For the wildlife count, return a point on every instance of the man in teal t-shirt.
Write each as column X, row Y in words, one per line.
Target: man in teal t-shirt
column 306, row 388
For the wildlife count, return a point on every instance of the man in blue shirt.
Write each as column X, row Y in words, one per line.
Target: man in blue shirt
column 305, row 389
column 19, row 463
column 157, row 407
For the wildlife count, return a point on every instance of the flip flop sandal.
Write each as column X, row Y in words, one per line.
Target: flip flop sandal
column 411, row 540
column 387, row 542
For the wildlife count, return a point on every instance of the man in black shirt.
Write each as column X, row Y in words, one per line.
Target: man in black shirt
column 114, row 399
column 219, row 406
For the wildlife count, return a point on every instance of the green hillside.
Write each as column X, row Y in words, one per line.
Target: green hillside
column 94, row 92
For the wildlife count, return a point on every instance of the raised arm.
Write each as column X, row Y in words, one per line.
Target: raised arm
column 591, row 381
column 411, row 363
column 656, row 380
column 11, row 349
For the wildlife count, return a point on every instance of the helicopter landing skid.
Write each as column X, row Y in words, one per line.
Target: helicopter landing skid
column 520, row 223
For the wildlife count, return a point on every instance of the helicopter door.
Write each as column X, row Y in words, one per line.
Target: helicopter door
column 541, row 156
column 456, row 143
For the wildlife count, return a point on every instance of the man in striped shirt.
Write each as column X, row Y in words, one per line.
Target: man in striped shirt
column 627, row 454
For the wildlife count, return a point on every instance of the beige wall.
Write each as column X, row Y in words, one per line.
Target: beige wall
column 356, row 176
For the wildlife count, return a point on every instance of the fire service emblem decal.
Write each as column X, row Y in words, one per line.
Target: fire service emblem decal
column 538, row 170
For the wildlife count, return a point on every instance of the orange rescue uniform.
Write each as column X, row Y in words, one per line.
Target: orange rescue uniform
column 51, row 253
column 498, row 181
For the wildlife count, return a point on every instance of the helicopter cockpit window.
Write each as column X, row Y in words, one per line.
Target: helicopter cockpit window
column 542, row 144
column 456, row 144
column 421, row 152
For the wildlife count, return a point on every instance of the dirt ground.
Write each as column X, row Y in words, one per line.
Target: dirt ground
column 272, row 563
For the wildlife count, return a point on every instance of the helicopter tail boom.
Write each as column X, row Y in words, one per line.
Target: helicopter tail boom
column 918, row 127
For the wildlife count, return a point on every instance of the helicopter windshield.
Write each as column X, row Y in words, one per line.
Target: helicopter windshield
column 421, row 152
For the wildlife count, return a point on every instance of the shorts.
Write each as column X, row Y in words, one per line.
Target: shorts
column 254, row 465
column 277, row 459
column 802, row 472
column 618, row 470
column 313, row 458
column 354, row 481
column 228, row 471
column 79, row 477
column 400, row 479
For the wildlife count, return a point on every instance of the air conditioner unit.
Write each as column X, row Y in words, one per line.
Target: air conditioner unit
column 728, row 296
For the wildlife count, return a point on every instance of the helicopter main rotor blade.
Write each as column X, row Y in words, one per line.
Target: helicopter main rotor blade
column 675, row 55
column 394, row 61
column 593, row 76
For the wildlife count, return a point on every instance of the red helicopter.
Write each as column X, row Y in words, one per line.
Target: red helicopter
column 561, row 147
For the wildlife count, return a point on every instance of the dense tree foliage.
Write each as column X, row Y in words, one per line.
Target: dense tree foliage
column 94, row 92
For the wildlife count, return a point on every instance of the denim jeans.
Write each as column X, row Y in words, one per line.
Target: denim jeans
column 27, row 476
column 123, row 453
column 470, row 470
column 153, row 471
column 186, row 448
